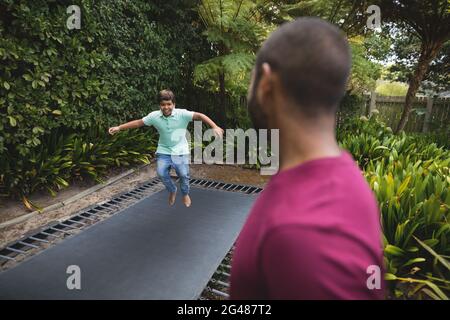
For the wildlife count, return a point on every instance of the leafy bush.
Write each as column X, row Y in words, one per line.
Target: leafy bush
column 440, row 137
column 108, row 71
column 410, row 178
column 64, row 158
column 397, row 89
column 57, row 83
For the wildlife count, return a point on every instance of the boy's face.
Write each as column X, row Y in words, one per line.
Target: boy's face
column 166, row 107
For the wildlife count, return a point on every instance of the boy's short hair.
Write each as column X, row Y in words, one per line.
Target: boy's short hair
column 166, row 95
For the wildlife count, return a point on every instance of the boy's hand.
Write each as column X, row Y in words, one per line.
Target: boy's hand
column 218, row 132
column 113, row 130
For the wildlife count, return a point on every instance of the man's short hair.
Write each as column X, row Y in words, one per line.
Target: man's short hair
column 312, row 59
column 166, row 95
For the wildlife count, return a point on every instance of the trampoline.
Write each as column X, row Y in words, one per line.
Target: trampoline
column 146, row 250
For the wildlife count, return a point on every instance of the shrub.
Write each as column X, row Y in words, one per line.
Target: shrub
column 104, row 73
column 65, row 158
column 410, row 178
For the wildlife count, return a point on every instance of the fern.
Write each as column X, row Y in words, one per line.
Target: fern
column 235, row 30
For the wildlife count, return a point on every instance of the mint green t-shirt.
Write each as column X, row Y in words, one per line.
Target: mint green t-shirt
column 171, row 129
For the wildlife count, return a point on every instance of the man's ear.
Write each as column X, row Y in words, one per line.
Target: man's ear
column 265, row 89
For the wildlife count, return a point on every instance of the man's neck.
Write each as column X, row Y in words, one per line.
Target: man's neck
column 294, row 153
column 300, row 142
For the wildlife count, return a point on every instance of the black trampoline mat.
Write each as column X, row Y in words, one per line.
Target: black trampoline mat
column 147, row 251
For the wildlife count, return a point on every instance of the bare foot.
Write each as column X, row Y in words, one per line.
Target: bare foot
column 172, row 196
column 187, row 200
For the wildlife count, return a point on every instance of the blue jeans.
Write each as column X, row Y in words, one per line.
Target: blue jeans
column 181, row 165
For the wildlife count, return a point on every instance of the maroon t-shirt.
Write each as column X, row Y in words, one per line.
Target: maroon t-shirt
column 312, row 234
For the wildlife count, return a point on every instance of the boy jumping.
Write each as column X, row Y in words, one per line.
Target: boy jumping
column 173, row 149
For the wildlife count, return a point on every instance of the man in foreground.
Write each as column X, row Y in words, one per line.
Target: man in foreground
column 314, row 232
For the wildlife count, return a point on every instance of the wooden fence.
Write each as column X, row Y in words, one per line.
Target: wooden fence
column 427, row 114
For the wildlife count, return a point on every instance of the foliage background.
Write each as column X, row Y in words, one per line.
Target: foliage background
column 107, row 72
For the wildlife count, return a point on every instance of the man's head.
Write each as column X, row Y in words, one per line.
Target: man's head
column 166, row 100
column 304, row 64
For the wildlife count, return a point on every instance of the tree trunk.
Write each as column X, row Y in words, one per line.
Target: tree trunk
column 428, row 52
column 222, row 96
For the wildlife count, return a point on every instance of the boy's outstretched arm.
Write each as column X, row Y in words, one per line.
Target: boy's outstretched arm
column 204, row 118
column 129, row 125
